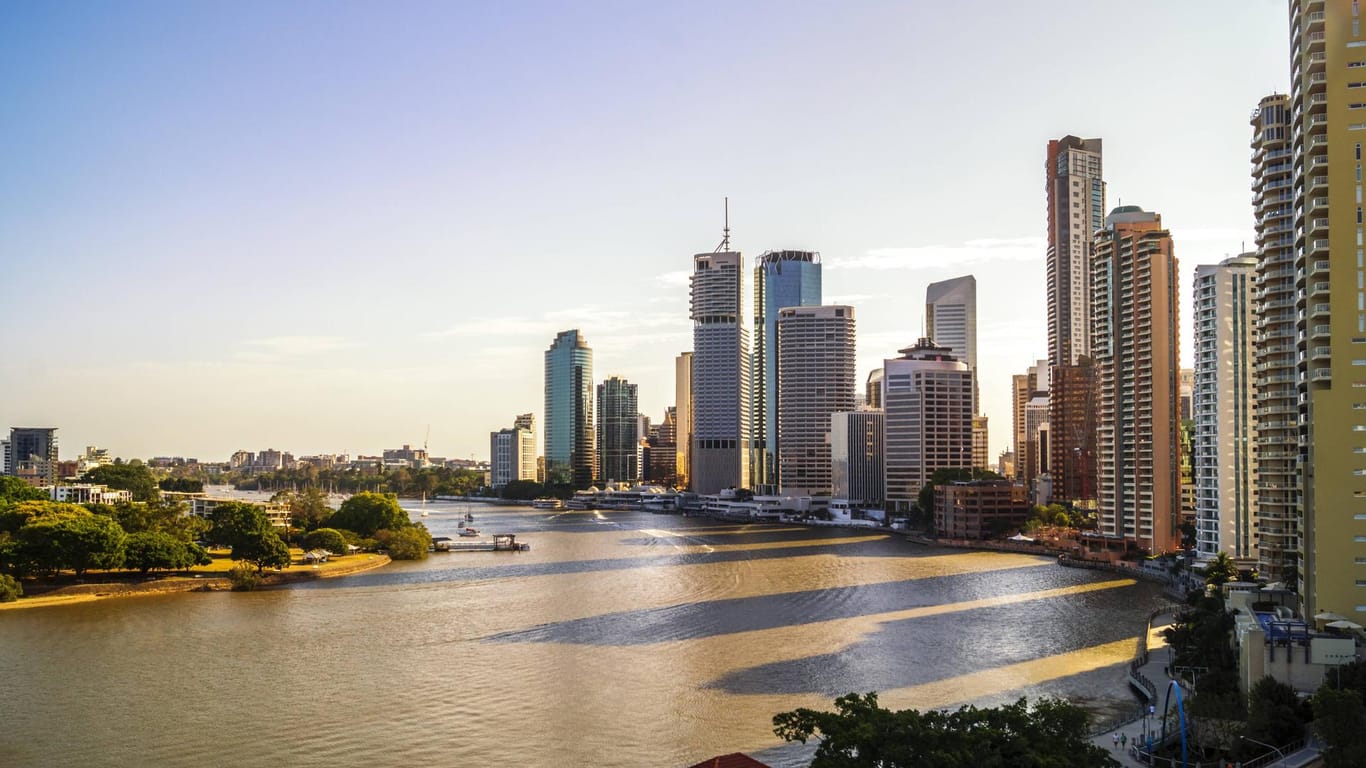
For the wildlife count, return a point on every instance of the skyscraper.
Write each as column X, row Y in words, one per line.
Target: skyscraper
column 927, row 406
column 1279, row 376
column 1134, row 311
column 683, row 420
column 618, row 430
column 570, row 453
column 815, row 379
column 720, row 374
column 951, row 320
column 1222, row 402
column 31, row 453
column 1076, row 209
column 1328, row 55
column 1030, row 387
column 781, row 279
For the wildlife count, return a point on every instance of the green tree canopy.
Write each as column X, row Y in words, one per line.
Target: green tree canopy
column 409, row 543
column 14, row 489
column 1221, row 570
column 1340, row 720
column 1051, row 734
column 10, row 588
column 159, row 551
column 522, row 490
column 366, row 513
column 77, row 540
column 1275, row 714
column 136, row 478
column 263, row 549
column 237, row 521
column 329, row 539
column 307, row 508
column 182, row 485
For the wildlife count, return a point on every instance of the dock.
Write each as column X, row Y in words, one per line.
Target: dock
column 503, row 542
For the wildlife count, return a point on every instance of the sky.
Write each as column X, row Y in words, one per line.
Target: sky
column 331, row 227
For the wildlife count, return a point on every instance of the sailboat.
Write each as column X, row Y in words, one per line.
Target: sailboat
column 424, row 512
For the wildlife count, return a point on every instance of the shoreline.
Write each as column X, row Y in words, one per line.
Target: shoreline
column 85, row 593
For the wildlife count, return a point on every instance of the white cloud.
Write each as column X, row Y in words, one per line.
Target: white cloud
column 969, row 253
column 679, row 277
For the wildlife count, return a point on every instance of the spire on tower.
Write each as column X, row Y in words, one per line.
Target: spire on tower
column 725, row 230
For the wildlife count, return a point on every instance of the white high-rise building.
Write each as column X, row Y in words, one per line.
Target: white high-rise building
column 951, row 320
column 815, row 379
column 720, row 374
column 1222, row 403
column 512, row 452
column 927, row 405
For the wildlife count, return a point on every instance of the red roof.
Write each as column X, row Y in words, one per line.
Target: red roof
column 734, row 760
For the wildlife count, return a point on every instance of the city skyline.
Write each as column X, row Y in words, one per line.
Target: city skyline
column 356, row 266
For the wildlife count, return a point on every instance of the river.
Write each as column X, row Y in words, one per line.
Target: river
column 620, row 639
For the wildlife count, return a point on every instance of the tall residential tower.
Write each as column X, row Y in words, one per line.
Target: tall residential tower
column 815, row 380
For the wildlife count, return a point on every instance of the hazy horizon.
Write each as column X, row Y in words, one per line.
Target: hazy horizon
column 324, row 228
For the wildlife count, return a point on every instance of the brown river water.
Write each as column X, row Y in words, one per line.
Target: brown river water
column 620, row 639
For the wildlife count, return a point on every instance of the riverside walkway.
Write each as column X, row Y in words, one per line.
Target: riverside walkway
column 1148, row 675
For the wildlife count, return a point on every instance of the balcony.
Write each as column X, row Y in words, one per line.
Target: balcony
column 1322, row 375
column 1321, row 353
column 1317, row 182
column 1318, row 268
column 1321, row 332
column 1319, row 288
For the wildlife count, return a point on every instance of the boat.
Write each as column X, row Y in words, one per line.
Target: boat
column 469, row 518
column 469, row 531
column 548, row 504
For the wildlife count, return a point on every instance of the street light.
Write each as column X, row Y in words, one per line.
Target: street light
column 1279, row 753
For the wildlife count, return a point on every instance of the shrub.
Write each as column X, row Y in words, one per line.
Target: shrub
column 10, row 589
column 244, row 578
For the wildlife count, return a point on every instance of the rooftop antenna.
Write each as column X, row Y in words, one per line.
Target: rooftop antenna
column 725, row 230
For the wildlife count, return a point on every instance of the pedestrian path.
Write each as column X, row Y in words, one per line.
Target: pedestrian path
column 1155, row 671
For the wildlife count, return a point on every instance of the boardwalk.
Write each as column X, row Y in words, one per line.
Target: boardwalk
column 1155, row 656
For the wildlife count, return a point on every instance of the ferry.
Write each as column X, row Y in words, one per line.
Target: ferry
column 548, row 504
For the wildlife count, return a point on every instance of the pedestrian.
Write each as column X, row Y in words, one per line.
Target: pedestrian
column 1123, row 740
column 1115, row 738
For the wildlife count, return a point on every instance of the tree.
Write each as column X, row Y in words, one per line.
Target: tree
column 263, row 549
column 1275, row 714
column 329, row 539
column 366, row 513
column 158, row 551
column 1221, row 570
column 77, row 540
column 308, row 508
column 411, row 543
column 134, row 477
column 182, row 485
column 236, row 521
column 522, row 490
column 14, row 489
column 1339, row 719
column 10, row 589
column 1052, row 733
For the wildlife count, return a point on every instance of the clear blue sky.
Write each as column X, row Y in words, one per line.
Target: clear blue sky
column 322, row 227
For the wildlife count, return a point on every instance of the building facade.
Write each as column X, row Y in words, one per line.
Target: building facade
column 570, row 450
column 781, row 279
column 856, row 449
column 683, row 420
column 1278, row 377
column 1328, row 128
column 951, row 320
column 31, row 453
column 1223, row 461
column 720, row 374
column 981, row 509
column 1134, row 307
column 1076, row 210
column 512, row 452
column 618, row 430
column 927, row 399
column 816, row 378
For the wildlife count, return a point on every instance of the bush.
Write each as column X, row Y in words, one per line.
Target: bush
column 244, row 578
column 329, row 539
column 10, row 589
column 407, row 543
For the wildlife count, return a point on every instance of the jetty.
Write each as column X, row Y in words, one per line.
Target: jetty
column 503, row 542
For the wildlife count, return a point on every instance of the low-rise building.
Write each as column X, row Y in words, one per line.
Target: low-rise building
column 979, row 509
column 203, row 505
column 86, row 493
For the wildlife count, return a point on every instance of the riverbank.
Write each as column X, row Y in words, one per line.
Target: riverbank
column 202, row 582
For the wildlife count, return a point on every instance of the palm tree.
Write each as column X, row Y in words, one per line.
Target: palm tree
column 1221, row 570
